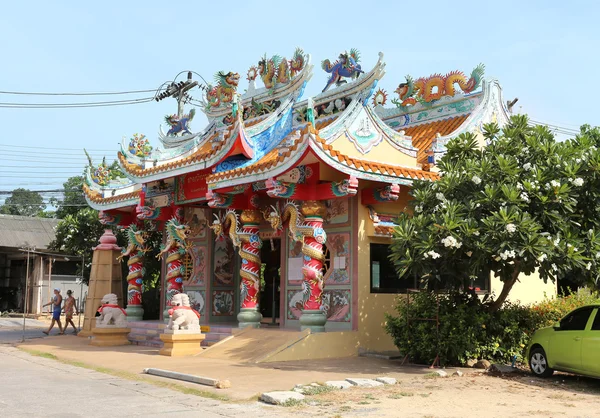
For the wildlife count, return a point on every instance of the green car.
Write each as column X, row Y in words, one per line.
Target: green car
column 572, row 345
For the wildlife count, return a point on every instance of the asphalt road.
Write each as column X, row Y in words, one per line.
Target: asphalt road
column 33, row 386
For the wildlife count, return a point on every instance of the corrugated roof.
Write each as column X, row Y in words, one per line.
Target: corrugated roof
column 21, row 231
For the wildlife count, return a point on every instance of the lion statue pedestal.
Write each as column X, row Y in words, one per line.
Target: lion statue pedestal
column 182, row 336
column 111, row 326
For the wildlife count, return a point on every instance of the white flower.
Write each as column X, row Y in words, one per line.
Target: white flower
column 555, row 183
column 557, row 241
column 542, row 257
column 598, row 255
column 478, row 205
column 497, row 258
column 577, row 160
column 589, row 266
column 451, row 242
column 476, row 180
column 519, row 186
column 440, row 196
column 432, row 254
column 527, row 166
column 524, row 197
column 476, row 233
column 554, row 267
column 511, row 228
column 418, row 208
column 506, row 254
column 577, row 182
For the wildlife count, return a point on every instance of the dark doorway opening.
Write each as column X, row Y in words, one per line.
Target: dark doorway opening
column 270, row 255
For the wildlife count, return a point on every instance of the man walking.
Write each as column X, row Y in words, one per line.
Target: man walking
column 56, row 303
column 69, row 306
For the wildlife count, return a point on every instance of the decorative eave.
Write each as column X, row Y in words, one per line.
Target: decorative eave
column 107, row 200
column 284, row 157
column 364, row 169
column 214, row 150
column 491, row 109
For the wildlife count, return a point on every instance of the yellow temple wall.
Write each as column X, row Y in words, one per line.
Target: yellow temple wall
column 529, row 289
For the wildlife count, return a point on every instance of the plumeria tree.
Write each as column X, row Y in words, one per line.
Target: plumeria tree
column 522, row 203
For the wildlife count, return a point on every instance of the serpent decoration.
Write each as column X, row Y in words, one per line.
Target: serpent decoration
column 177, row 246
column 249, row 244
column 310, row 232
column 135, row 250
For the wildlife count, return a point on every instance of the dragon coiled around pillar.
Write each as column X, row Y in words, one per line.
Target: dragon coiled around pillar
column 312, row 248
column 428, row 89
column 176, row 247
column 135, row 250
column 224, row 91
column 249, row 243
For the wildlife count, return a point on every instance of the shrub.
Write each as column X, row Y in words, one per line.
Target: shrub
column 468, row 330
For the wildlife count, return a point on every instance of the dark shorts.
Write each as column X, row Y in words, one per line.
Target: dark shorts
column 56, row 315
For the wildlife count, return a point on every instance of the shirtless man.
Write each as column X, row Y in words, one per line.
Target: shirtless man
column 56, row 303
column 69, row 307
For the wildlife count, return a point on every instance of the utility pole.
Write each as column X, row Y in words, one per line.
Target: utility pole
column 177, row 91
column 80, row 292
column 26, row 295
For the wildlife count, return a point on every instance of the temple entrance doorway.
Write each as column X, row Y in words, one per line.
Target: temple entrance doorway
column 270, row 281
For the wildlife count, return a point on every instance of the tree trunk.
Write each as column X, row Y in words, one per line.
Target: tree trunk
column 506, row 288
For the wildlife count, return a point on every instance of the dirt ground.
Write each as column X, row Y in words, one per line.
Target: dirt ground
column 417, row 394
column 474, row 394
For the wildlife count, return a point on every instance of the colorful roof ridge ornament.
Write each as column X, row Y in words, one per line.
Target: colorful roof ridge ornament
column 139, row 146
column 278, row 70
column 426, row 90
column 380, row 98
column 100, row 174
column 346, row 66
column 223, row 92
column 179, row 124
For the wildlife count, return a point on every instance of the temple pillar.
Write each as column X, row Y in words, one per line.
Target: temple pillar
column 312, row 316
column 105, row 278
column 135, row 250
column 250, row 271
column 175, row 248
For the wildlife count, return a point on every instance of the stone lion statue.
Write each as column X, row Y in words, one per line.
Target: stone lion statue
column 111, row 314
column 182, row 316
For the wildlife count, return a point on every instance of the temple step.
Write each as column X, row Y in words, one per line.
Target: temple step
column 147, row 333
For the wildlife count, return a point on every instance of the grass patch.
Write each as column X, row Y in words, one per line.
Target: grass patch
column 345, row 408
column 290, row 403
column 400, row 395
column 431, row 375
column 316, row 390
column 424, row 395
column 369, row 396
column 130, row 376
column 364, row 403
column 42, row 354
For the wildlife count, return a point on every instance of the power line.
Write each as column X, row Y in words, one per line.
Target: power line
column 73, row 105
column 56, row 148
column 107, row 93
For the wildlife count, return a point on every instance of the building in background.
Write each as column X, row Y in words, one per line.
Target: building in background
column 17, row 235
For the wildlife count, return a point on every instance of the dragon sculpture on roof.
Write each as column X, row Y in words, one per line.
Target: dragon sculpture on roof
column 224, row 90
column 278, row 70
column 426, row 90
column 346, row 66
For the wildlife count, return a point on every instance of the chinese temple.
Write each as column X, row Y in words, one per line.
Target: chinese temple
column 280, row 211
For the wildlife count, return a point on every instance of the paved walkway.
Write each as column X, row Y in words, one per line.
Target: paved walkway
column 39, row 387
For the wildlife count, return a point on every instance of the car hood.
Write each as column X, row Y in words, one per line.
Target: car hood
column 542, row 333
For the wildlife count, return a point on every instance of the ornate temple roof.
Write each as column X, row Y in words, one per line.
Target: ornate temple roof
column 265, row 132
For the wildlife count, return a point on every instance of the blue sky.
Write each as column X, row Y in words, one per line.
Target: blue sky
column 544, row 52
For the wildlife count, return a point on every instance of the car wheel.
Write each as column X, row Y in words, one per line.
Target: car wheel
column 539, row 363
